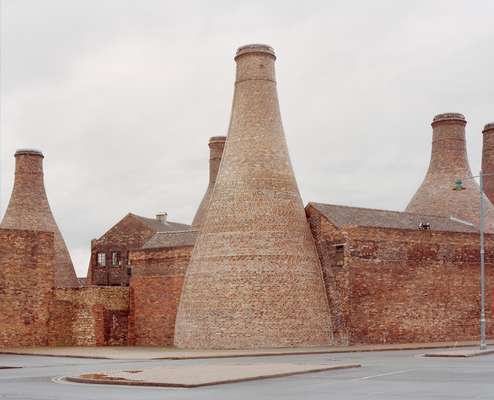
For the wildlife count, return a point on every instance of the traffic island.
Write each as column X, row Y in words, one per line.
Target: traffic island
column 202, row 375
column 463, row 353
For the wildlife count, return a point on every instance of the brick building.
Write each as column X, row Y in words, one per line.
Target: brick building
column 109, row 263
column 256, row 269
column 397, row 277
column 156, row 285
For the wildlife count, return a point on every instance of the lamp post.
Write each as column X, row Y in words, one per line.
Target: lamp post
column 459, row 186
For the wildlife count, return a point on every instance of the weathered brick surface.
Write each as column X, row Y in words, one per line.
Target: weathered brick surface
column 27, row 271
column 449, row 161
column 29, row 209
column 398, row 285
column 488, row 160
column 216, row 145
column 89, row 316
column 254, row 279
column 155, row 289
column 130, row 233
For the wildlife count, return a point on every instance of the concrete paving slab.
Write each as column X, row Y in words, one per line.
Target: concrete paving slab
column 190, row 376
column 464, row 353
column 171, row 353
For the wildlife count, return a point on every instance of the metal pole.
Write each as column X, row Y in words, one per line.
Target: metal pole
column 482, row 266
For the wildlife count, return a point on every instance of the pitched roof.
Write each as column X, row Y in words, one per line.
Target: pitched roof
column 159, row 226
column 172, row 239
column 343, row 216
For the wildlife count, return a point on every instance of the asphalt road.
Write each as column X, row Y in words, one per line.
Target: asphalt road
column 384, row 375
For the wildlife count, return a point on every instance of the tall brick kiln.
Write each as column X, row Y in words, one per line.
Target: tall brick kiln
column 216, row 145
column 438, row 194
column 254, row 279
column 29, row 209
column 488, row 160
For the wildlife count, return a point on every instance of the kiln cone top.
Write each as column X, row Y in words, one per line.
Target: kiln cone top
column 255, row 48
column 449, row 117
column 488, row 127
column 29, row 152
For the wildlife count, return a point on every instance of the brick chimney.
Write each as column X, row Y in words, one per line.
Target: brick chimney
column 488, row 160
column 216, row 145
column 162, row 217
column 29, row 209
column 254, row 279
column 438, row 193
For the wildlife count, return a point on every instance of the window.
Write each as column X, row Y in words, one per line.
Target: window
column 339, row 254
column 115, row 258
column 101, row 259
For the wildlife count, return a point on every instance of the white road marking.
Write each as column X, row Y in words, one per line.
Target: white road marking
column 386, row 374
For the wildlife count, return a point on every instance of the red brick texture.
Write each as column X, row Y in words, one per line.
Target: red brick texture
column 90, row 316
column 127, row 235
column 26, row 279
column 436, row 195
column 488, row 160
column 29, row 209
column 254, row 279
column 155, row 289
column 398, row 286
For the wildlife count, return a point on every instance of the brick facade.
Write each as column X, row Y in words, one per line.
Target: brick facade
column 27, row 271
column 156, row 286
column 130, row 233
column 402, row 285
column 90, row 316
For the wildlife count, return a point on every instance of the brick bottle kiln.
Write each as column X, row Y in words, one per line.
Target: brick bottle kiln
column 254, row 279
column 488, row 160
column 29, row 209
column 216, row 145
column 438, row 194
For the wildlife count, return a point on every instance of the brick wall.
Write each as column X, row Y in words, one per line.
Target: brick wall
column 336, row 275
column 26, row 279
column 398, row 286
column 90, row 316
column 416, row 286
column 128, row 234
column 155, row 289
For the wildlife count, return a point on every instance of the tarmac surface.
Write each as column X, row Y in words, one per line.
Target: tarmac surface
column 384, row 375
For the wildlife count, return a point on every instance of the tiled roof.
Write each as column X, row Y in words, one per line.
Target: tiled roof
column 172, row 239
column 343, row 216
column 159, row 226
column 82, row 281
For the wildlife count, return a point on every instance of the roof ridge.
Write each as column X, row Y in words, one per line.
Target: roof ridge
column 379, row 209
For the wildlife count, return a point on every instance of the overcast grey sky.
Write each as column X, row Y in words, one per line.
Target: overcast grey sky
column 121, row 96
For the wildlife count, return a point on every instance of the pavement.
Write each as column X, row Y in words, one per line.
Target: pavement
column 384, row 375
column 461, row 353
column 171, row 353
column 191, row 376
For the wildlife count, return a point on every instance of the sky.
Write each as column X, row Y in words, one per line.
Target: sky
column 121, row 96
